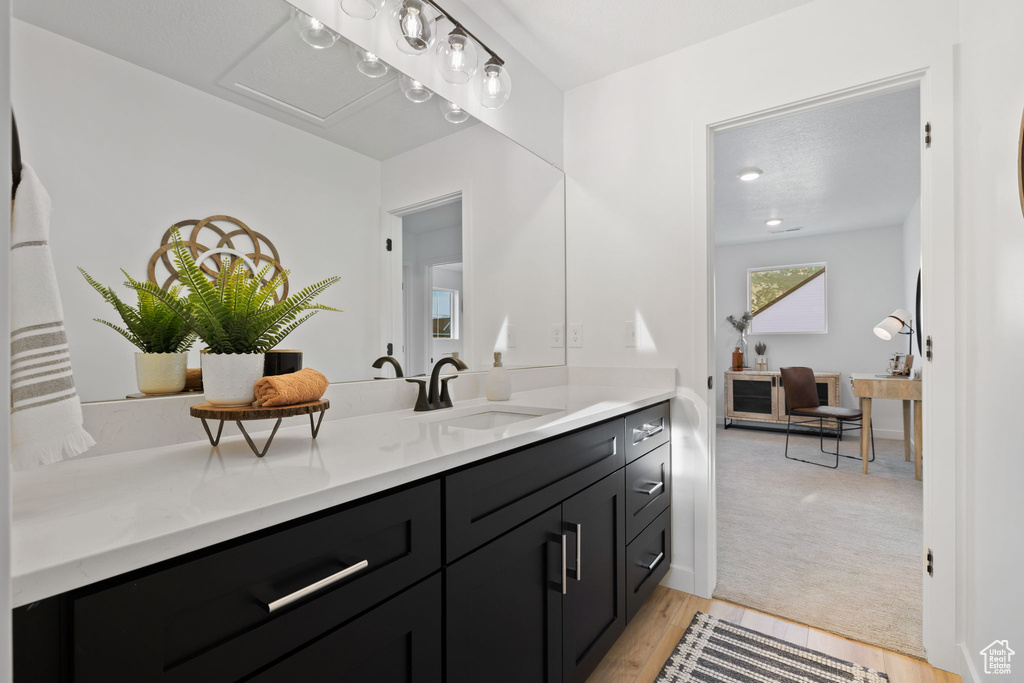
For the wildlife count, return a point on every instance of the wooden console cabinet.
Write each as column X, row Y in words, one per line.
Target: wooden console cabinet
column 759, row 396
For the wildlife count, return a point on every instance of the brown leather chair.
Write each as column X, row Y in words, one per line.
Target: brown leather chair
column 802, row 401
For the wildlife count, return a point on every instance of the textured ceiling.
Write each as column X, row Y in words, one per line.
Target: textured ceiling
column 246, row 51
column 577, row 41
column 846, row 167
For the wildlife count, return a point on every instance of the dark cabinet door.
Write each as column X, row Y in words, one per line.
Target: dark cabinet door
column 398, row 642
column 594, row 604
column 504, row 607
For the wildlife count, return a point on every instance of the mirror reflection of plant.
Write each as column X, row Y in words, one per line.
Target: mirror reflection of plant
column 235, row 313
column 760, row 347
column 152, row 326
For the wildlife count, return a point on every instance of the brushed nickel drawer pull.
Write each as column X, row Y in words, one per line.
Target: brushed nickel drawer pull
column 565, row 582
column 318, row 585
column 650, row 567
column 655, row 488
column 647, row 430
column 579, row 552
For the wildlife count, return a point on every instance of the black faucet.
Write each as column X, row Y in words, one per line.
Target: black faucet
column 379, row 363
column 438, row 396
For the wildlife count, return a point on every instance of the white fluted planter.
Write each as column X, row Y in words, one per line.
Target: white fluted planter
column 160, row 373
column 228, row 378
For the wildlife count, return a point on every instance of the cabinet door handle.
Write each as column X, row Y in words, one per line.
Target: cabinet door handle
column 655, row 487
column 579, row 552
column 646, row 431
column 650, row 567
column 564, row 568
column 318, row 585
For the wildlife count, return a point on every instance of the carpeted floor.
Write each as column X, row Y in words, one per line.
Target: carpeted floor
column 833, row 549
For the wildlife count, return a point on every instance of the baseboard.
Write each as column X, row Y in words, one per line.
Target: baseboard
column 968, row 672
column 680, row 578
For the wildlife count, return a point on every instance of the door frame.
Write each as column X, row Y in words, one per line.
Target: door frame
column 940, row 379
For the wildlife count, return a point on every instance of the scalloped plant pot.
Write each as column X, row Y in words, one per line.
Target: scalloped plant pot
column 160, row 373
column 228, row 378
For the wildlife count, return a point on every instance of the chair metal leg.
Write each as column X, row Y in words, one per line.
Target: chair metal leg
column 821, row 432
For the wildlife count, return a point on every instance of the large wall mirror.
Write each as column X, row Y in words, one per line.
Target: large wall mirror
column 136, row 116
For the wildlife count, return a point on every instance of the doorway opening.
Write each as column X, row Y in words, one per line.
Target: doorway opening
column 817, row 239
column 432, row 285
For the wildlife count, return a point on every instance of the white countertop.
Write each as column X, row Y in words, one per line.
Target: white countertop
column 82, row 521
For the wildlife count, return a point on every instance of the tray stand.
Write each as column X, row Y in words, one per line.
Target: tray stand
column 205, row 411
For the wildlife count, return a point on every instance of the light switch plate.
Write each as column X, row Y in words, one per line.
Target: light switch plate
column 557, row 336
column 575, row 335
column 629, row 334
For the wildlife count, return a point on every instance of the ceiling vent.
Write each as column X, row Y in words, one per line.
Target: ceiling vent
column 785, row 230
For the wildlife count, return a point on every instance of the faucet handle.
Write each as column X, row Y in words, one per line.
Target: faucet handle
column 421, row 398
column 446, row 398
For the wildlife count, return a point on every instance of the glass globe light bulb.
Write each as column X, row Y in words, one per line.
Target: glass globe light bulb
column 496, row 85
column 414, row 90
column 453, row 113
column 368, row 63
column 362, row 9
column 313, row 31
column 412, row 26
column 457, row 57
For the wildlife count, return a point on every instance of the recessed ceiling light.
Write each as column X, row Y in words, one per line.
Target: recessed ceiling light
column 772, row 222
column 749, row 174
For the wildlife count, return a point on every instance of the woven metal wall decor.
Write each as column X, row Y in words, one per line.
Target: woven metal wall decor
column 207, row 235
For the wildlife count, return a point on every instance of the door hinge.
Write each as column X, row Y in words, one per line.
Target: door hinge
column 928, row 134
column 711, row 382
column 391, row 349
column 928, row 348
column 387, row 244
column 929, row 565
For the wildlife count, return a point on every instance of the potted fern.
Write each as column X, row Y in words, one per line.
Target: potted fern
column 237, row 319
column 163, row 338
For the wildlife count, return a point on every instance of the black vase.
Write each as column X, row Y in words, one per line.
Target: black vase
column 281, row 362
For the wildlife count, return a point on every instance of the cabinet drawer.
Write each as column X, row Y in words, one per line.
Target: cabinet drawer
column 648, row 489
column 646, row 430
column 210, row 619
column 647, row 561
column 398, row 642
column 487, row 500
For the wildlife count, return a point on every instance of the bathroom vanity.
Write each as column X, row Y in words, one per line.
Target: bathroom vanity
column 521, row 550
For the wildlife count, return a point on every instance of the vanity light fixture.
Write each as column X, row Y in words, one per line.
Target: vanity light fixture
column 749, row 174
column 453, row 113
column 496, row 85
column 362, row 9
column 772, row 222
column 457, row 57
column 312, row 30
column 414, row 90
column 412, row 26
column 369, row 64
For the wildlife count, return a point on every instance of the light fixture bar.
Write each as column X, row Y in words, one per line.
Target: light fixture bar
column 465, row 30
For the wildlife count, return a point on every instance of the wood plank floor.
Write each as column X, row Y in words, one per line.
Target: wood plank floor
column 648, row 642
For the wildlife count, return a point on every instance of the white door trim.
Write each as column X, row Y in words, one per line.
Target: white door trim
column 940, row 378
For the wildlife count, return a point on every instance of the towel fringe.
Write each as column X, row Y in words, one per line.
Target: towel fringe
column 51, row 449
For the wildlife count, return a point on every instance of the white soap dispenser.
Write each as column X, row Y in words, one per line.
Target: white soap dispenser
column 498, row 386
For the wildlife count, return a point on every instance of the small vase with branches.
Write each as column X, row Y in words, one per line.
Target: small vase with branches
column 741, row 324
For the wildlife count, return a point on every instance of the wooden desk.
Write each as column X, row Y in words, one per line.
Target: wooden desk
column 867, row 387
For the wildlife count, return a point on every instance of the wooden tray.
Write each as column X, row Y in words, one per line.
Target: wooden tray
column 239, row 414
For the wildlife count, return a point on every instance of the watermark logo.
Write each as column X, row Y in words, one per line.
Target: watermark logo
column 997, row 657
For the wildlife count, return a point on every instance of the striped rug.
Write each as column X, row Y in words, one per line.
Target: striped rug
column 714, row 650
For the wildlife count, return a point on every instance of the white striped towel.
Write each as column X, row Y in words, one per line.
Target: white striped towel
column 46, row 415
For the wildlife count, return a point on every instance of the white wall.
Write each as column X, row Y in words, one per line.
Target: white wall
column 124, row 153
column 634, row 246
column 513, row 232
column 864, row 281
column 911, row 261
column 991, row 251
column 532, row 116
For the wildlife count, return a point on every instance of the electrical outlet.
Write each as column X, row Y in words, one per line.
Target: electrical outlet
column 575, row 336
column 557, row 336
column 629, row 334
column 510, row 336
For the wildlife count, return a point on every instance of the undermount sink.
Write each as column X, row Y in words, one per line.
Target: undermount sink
column 487, row 417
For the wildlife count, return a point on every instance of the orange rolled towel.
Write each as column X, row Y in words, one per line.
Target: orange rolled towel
column 304, row 386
